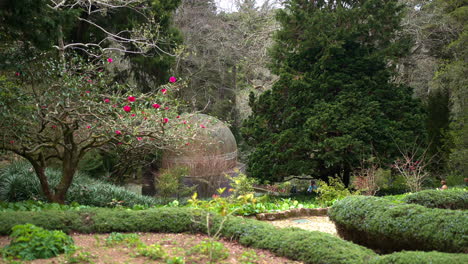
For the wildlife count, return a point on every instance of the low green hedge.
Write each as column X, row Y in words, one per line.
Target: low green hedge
column 293, row 243
column 455, row 199
column 389, row 226
column 417, row 257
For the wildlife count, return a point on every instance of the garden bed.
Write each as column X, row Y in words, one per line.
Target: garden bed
column 92, row 249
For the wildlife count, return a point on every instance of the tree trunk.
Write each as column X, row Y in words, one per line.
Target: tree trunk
column 346, row 175
column 69, row 167
column 40, row 173
column 148, row 187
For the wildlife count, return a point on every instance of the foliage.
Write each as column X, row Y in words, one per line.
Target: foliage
column 292, row 243
column 455, row 199
column 35, row 206
column 249, row 257
column 241, row 184
column 329, row 193
column 18, row 183
column 388, row 226
column 31, row 242
column 334, row 103
column 80, row 257
column 130, row 240
column 170, row 183
column 418, row 257
column 154, row 251
column 216, row 251
column 248, row 204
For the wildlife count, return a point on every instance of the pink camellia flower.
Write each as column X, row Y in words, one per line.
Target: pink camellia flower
column 131, row 99
column 118, row 132
column 127, row 108
column 139, row 138
column 88, row 126
column 156, row 106
column 172, row 79
column 110, row 60
column 177, row 116
column 133, row 115
column 106, row 100
column 17, row 74
column 165, row 120
column 164, row 91
column 185, row 122
column 202, row 126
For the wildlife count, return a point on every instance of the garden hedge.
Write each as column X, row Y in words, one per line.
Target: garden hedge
column 389, row 226
column 455, row 199
column 293, row 243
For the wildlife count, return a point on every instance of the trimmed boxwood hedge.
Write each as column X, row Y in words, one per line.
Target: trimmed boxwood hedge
column 388, row 226
column 293, row 243
column 455, row 199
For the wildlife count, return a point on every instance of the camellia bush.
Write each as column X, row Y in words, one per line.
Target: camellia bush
column 64, row 110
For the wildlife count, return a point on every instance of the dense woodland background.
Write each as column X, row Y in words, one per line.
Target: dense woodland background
column 321, row 88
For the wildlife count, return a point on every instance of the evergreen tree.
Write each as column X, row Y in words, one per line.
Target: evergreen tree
column 335, row 102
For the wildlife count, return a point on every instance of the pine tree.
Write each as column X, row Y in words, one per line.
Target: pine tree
column 335, row 102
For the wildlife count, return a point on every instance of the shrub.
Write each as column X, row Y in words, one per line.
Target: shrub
column 415, row 257
column 331, row 192
column 213, row 249
column 18, row 182
column 31, row 242
column 170, row 183
column 153, row 251
column 119, row 238
column 447, row 199
column 390, row 226
column 293, row 243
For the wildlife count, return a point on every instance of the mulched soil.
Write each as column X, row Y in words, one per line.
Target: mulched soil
column 174, row 244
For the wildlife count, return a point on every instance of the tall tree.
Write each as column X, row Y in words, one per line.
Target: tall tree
column 335, row 102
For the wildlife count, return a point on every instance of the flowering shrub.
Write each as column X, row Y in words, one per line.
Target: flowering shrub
column 67, row 110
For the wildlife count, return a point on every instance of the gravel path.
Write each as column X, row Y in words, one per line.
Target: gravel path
column 311, row 223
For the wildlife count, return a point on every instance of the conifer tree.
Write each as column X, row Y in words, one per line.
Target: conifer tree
column 334, row 103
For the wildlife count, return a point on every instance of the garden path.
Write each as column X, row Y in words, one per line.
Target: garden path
column 311, row 223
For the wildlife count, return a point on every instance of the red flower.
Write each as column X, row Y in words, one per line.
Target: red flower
column 164, row 91
column 110, row 60
column 131, row 99
column 120, row 143
column 87, row 92
column 54, row 126
column 12, row 142
column 106, row 100
column 127, row 108
column 202, row 126
column 215, row 196
column 139, row 138
column 172, row 79
column 88, row 126
column 133, row 115
column 156, row 106
column 166, row 108
column 177, row 116
column 17, row 74
column 165, row 120
column 118, row 132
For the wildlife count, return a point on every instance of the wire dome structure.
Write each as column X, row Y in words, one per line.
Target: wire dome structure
column 209, row 156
